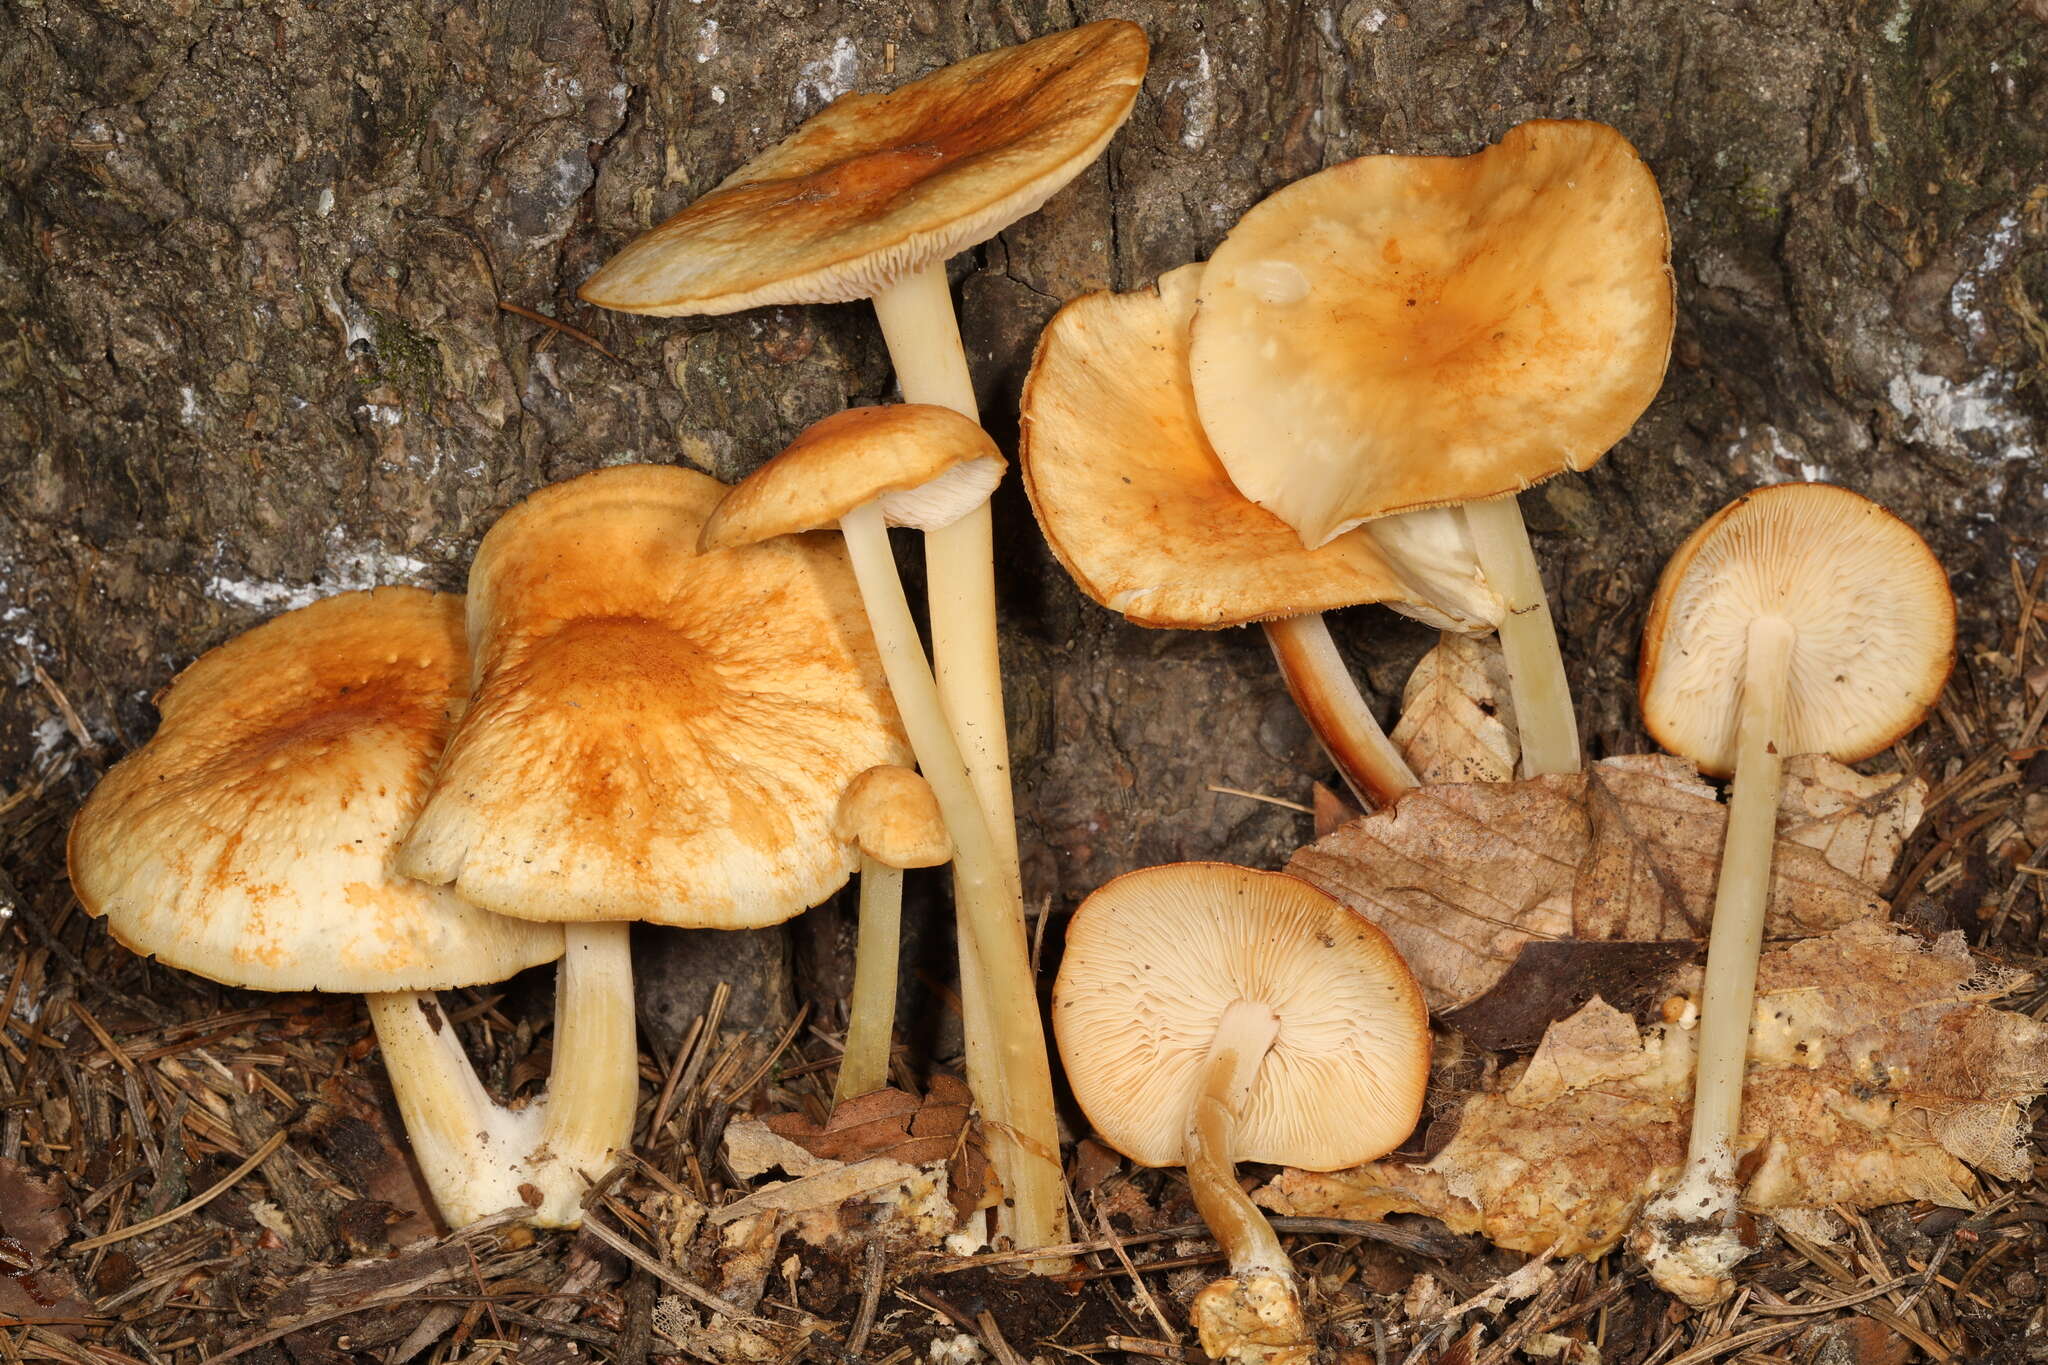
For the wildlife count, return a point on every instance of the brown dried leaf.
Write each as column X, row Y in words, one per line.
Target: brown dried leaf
column 884, row 1123
column 1457, row 718
column 32, row 1221
column 1461, row 876
column 1857, row 823
column 1879, row 1074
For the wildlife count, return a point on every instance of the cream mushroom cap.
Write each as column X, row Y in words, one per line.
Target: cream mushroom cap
column 875, row 187
column 1870, row 607
column 892, row 815
column 928, row 465
column 251, row 840
column 1137, row 507
column 655, row 733
column 1154, row 958
column 1399, row 332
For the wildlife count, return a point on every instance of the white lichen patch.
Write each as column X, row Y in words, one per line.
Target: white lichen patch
column 1198, row 106
column 1977, row 420
column 349, row 569
column 820, row 82
column 1965, row 298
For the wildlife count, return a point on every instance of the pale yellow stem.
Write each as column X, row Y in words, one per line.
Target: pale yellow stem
column 594, row 1088
column 1741, row 898
column 480, row 1158
column 1528, row 638
column 1330, row 701
column 1023, row 1137
column 871, row 1014
column 466, row 1143
column 1243, row 1037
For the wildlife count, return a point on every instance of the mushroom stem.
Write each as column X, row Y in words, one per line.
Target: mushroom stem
column 1322, row 687
column 871, row 1014
column 1528, row 637
column 1740, row 899
column 479, row 1157
column 1688, row 1238
column 1015, row 1087
column 1244, row 1035
column 594, row 1090
column 465, row 1142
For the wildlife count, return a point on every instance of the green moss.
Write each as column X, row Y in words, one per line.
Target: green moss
column 407, row 360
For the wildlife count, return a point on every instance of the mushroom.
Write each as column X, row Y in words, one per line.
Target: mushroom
column 909, row 463
column 892, row 816
column 652, row 734
column 1210, row 1014
column 1399, row 332
column 251, row 841
column 1137, row 508
column 867, row 200
column 1801, row 618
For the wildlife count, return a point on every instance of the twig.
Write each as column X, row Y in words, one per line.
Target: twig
column 558, row 325
column 169, row 1216
column 1260, row 796
column 1116, row 1245
column 697, row 1294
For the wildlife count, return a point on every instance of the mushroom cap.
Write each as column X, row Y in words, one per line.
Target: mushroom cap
column 875, row 187
column 654, row 733
column 1873, row 619
column 929, row 466
column 1155, row 957
column 892, row 815
column 1407, row 331
column 1134, row 502
column 251, row 840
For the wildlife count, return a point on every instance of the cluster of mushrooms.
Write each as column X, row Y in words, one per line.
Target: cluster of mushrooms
column 672, row 701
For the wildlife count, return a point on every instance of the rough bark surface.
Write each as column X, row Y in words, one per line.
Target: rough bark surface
column 251, row 347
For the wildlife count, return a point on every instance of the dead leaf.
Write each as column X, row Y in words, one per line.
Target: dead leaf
column 1460, row 876
column 33, row 1221
column 1332, row 812
column 1457, row 718
column 1880, row 1074
column 1551, row 980
column 1857, row 823
column 891, row 1123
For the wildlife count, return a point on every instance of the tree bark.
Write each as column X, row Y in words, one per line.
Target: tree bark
column 252, row 350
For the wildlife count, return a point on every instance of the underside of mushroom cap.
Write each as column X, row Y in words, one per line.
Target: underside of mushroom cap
column 1155, row 957
column 893, row 452
column 655, row 733
column 1132, row 499
column 1400, row 332
column 1870, row 607
column 251, row 840
column 875, row 187
column 892, row 815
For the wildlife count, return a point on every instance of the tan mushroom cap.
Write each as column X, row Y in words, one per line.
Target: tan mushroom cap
column 929, row 466
column 1408, row 331
column 655, row 733
column 1874, row 625
column 892, row 815
column 875, row 187
column 1155, row 957
column 251, row 840
column 1132, row 499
